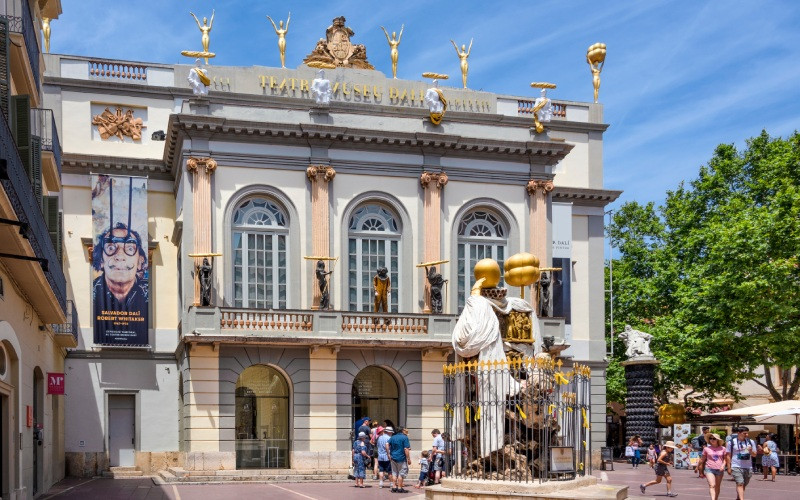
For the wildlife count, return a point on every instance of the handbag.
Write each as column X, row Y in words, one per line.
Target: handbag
column 629, row 451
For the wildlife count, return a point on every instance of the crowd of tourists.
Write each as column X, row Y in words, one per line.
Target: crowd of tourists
column 385, row 450
column 737, row 455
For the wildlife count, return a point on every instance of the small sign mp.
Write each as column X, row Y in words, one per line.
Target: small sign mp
column 55, row 383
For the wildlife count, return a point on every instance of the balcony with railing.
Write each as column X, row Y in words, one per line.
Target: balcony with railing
column 24, row 49
column 26, row 247
column 43, row 125
column 66, row 334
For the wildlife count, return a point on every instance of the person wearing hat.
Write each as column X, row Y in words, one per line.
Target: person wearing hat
column 360, row 459
column 712, row 463
column 384, row 464
column 665, row 458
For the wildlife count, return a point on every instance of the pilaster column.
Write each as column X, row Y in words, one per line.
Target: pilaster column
column 320, row 176
column 202, row 168
column 539, row 191
column 432, row 185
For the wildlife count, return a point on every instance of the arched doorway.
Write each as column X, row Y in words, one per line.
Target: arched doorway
column 262, row 419
column 376, row 395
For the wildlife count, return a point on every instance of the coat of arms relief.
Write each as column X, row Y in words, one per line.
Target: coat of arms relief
column 336, row 49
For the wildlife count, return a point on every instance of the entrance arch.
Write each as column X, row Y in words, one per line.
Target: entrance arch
column 262, row 419
column 376, row 394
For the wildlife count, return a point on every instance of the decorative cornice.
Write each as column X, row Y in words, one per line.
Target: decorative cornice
column 320, row 172
column 194, row 163
column 586, row 196
column 439, row 179
column 536, row 185
column 73, row 163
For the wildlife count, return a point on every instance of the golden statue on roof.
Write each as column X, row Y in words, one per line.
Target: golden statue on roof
column 336, row 49
column 205, row 29
column 281, row 32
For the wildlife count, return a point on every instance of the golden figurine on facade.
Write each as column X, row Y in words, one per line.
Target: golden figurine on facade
column 463, row 55
column 393, row 43
column 596, row 57
column 281, row 32
column 205, row 29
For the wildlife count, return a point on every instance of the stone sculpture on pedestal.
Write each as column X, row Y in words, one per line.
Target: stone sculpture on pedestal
column 639, row 377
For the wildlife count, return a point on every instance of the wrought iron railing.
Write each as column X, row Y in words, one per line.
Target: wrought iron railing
column 28, row 210
column 72, row 326
column 20, row 20
column 520, row 420
column 43, row 125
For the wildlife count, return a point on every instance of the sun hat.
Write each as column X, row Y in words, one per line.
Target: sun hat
column 669, row 444
column 712, row 435
column 380, row 429
column 389, row 429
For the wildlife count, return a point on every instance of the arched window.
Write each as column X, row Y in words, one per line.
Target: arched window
column 373, row 242
column 262, row 419
column 481, row 235
column 260, row 234
column 375, row 395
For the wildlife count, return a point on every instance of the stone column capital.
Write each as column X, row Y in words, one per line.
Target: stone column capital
column 535, row 185
column 194, row 164
column 320, row 172
column 438, row 179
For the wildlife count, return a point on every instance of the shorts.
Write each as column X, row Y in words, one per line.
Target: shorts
column 400, row 469
column 438, row 463
column 742, row 475
column 716, row 472
column 423, row 476
column 661, row 470
column 385, row 466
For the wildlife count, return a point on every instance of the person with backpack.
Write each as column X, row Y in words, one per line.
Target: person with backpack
column 739, row 459
column 665, row 458
column 698, row 444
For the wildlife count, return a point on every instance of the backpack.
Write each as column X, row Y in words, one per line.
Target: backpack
column 696, row 442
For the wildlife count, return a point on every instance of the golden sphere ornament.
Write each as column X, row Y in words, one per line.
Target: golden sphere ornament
column 522, row 269
column 488, row 269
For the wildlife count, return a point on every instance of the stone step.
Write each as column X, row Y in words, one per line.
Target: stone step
column 259, row 476
column 123, row 474
column 122, row 468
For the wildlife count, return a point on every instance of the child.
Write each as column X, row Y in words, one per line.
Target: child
column 423, row 469
column 651, row 455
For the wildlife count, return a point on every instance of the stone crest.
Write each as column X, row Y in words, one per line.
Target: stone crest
column 118, row 124
column 336, row 50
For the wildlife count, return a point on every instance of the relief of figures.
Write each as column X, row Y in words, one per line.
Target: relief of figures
column 118, row 125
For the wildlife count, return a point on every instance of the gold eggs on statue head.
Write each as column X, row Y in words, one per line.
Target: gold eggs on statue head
column 522, row 269
column 490, row 270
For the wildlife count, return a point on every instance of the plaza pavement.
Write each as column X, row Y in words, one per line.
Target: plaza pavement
column 686, row 484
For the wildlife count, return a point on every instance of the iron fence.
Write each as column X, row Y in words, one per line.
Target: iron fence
column 522, row 419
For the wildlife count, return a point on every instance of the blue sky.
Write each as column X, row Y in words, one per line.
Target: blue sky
column 680, row 76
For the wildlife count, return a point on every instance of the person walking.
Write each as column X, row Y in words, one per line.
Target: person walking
column 701, row 443
column 384, row 463
column 739, row 460
column 712, row 464
column 665, row 459
column 635, row 443
column 769, row 460
column 360, row 459
column 437, row 455
column 652, row 455
column 373, row 439
column 399, row 448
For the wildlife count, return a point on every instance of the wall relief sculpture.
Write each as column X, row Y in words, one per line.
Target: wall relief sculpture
column 118, row 124
column 336, row 50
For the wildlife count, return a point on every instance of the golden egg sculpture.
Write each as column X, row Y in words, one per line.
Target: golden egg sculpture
column 522, row 269
column 489, row 269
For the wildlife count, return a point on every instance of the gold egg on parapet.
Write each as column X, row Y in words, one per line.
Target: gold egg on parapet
column 488, row 269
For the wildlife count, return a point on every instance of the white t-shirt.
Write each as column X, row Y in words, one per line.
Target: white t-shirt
column 438, row 442
column 740, row 455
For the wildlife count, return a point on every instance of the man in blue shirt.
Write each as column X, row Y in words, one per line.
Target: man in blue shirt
column 384, row 464
column 399, row 448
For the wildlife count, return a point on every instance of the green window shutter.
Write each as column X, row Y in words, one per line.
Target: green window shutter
column 59, row 242
column 36, row 166
column 5, row 79
column 20, row 109
column 53, row 219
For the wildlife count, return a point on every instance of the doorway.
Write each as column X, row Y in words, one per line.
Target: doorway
column 121, row 430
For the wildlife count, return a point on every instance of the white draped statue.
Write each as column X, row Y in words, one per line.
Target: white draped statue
column 477, row 332
column 544, row 106
column 321, row 89
column 198, row 80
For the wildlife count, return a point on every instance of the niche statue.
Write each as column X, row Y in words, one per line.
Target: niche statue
column 322, row 281
column 205, row 271
column 436, row 283
column 382, row 285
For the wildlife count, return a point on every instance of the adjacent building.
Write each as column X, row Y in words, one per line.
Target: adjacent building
column 37, row 321
column 263, row 183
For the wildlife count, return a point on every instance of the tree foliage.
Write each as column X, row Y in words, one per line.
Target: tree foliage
column 713, row 274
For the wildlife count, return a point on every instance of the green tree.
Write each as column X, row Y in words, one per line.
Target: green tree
column 713, row 274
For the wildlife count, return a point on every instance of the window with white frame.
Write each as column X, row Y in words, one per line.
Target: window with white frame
column 260, row 236
column 481, row 235
column 373, row 242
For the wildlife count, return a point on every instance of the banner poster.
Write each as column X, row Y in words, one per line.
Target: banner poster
column 119, row 260
column 682, row 446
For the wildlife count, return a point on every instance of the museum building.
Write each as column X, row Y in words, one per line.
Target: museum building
column 247, row 189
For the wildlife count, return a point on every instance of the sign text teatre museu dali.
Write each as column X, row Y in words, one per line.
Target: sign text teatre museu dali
column 357, row 92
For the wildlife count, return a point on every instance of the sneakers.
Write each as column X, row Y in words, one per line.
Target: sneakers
column 672, row 494
column 642, row 488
